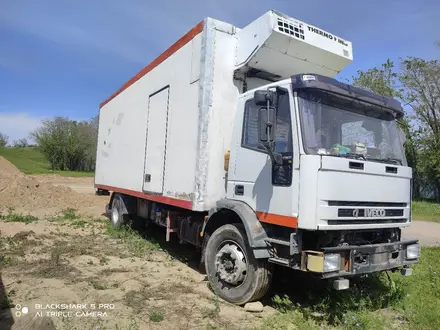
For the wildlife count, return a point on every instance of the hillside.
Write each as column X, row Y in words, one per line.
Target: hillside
column 30, row 160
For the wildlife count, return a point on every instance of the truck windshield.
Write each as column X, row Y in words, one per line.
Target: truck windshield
column 342, row 127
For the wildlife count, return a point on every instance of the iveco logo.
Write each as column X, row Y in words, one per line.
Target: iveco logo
column 374, row 213
column 370, row 213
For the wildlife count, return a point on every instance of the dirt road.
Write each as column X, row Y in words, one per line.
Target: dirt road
column 81, row 185
column 428, row 233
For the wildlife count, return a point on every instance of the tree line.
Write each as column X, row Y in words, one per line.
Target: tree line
column 20, row 143
column 68, row 145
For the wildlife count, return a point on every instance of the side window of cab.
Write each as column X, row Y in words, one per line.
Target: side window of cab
column 281, row 174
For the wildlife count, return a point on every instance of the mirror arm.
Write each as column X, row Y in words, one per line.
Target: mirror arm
column 276, row 158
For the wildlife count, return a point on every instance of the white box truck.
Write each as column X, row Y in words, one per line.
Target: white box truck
column 240, row 142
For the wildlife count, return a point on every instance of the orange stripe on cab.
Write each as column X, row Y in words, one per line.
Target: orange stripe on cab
column 276, row 219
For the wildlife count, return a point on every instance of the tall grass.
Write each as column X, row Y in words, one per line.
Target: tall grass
column 426, row 211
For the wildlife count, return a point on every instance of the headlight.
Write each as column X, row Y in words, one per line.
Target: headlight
column 332, row 262
column 413, row 251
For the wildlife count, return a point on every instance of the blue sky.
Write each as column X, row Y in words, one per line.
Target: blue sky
column 63, row 57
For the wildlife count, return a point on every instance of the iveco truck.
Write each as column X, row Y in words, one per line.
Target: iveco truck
column 242, row 143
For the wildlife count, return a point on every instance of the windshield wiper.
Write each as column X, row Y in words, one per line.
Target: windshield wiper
column 348, row 155
column 386, row 160
column 356, row 156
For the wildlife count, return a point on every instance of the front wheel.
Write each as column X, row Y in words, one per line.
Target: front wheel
column 233, row 271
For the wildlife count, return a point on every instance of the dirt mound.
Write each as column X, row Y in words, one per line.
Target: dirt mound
column 7, row 171
column 26, row 194
column 7, row 167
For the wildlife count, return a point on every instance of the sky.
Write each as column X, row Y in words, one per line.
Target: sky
column 64, row 57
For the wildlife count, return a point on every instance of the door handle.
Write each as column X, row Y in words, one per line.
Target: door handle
column 147, row 178
column 239, row 190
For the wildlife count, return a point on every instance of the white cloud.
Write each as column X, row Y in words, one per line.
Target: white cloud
column 18, row 125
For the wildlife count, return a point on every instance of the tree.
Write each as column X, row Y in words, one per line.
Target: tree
column 68, row 144
column 3, row 140
column 380, row 80
column 421, row 89
column 21, row 143
column 92, row 140
column 385, row 81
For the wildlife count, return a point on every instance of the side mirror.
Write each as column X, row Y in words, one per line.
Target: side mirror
column 262, row 96
column 267, row 123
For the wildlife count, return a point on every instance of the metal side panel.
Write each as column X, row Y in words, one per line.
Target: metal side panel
column 123, row 127
column 205, row 103
column 222, row 116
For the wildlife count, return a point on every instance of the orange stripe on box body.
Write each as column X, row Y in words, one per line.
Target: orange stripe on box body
column 162, row 57
column 155, row 198
column 276, row 219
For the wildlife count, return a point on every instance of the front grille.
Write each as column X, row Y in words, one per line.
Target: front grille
column 366, row 204
column 388, row 213
column 365, row 222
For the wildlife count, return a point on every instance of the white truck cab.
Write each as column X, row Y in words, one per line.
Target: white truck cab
column 240, row 142
column 323, row 166
column 339, row 149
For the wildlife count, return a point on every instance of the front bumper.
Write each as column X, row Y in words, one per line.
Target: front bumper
column 365, row 259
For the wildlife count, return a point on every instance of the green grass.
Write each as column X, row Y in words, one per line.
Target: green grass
column 65, row 215
column 14, row 217
column 426, row 211
column 212, row 312
column 421, row 305
column 374, row 302
column 137, row 244
column 156, row 316
column 98, row 286
column 30, row 160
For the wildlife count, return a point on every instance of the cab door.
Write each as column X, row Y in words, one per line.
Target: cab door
column 264, row 186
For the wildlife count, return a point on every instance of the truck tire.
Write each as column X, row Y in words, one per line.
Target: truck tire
column 233, row 271
column 116, row 214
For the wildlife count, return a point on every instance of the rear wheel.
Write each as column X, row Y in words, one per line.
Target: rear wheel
column 233, row 271
column 116, row 213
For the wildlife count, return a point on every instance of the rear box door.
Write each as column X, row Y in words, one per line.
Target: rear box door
column 155, row 152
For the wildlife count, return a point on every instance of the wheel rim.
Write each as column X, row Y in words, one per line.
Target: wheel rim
column 115, row 215
column 231, row 263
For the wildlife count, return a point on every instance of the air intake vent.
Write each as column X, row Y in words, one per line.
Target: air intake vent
column 366, row 204
column 291, row 27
